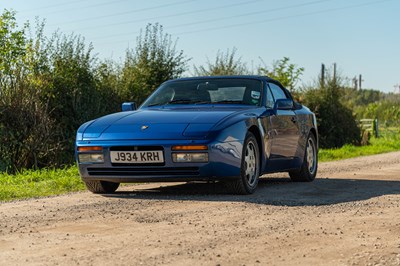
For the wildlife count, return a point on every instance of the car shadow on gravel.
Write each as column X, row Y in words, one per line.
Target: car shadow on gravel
column 271, row 191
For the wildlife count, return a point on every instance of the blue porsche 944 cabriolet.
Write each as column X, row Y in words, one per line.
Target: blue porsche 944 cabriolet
column 225, row 128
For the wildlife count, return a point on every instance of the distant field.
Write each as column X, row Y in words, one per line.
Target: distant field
column 47, row 182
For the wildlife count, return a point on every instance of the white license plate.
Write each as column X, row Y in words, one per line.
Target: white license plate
column 137, row 156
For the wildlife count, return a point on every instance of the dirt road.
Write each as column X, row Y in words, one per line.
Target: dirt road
column 349, row 216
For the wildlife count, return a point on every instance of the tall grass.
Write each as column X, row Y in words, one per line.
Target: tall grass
column 39, row 183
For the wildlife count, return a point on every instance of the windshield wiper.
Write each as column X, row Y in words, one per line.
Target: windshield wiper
column 187, row 101
column 229, row 101
column 179, row 101
column 155, row 104
column 171, row 102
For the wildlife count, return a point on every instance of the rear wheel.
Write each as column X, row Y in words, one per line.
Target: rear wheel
column 96, row 186
column 308, row 169
column 249, row 170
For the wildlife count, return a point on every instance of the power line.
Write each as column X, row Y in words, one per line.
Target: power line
column 255, row 22
column 282, row 18
column 249, row 14
column 127, row 12
column 224, row 18
column 86, row 7
column 174, row 15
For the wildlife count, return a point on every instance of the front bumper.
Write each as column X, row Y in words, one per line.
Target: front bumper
column 223, row 163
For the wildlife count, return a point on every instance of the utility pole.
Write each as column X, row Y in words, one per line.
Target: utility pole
column 355, row 83
column 359, row 81
column 334, row 72
column 322, row 75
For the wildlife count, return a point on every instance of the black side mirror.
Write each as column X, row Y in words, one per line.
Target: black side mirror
column 283, row 104
column 128, row 106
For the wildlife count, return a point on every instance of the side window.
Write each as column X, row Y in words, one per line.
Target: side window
column 270, row 99
column 277, row 92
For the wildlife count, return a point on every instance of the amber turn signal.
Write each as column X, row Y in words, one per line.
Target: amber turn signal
column 90, row 148
column 190, row 148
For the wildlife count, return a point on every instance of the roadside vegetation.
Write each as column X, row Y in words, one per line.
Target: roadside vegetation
column 39, row 183
column 49, row 86
column 387, row 142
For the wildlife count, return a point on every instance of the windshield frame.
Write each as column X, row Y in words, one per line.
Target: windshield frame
column 257, row 94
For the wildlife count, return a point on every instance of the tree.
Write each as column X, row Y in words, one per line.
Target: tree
column 337, row 125
column 225, row 64
column 12, row 49
column 26, row 128
column 154, row 60
column 286, row 73
column 353, row 98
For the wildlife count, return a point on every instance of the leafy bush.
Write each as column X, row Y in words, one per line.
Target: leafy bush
column 225, row 64
column 387, row 111
column 336, row 124
column 27, row 131
column 26, row 128
column 287, row 73
column 154, row 61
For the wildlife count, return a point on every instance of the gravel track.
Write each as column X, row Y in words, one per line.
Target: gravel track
column 350, row 215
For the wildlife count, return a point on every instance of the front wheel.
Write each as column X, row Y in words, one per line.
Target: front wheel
column 249, row 169
column 308, row 169
column 96, row 186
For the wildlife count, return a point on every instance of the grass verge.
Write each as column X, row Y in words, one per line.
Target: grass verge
column 389, row 141
column 39, row 183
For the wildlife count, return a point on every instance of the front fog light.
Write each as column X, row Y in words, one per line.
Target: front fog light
column 201, row 157
column 91, row 158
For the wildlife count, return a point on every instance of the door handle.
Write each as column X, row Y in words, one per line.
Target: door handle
column 293, row 119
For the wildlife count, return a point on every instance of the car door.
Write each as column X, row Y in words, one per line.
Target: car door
column 284, row 128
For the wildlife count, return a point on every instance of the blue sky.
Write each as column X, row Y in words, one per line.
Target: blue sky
column 361, row 36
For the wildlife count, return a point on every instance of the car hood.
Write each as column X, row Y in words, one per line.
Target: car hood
column 157, row 124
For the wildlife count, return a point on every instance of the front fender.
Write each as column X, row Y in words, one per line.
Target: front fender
column 233, row 138
column 237, row 131
column 81, row 130
column 236, row 125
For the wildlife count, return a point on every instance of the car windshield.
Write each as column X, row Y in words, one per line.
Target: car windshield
column 207, row 91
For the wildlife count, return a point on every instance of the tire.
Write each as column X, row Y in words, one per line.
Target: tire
column 101, row 186
column 309, row 168
column 249, row 168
